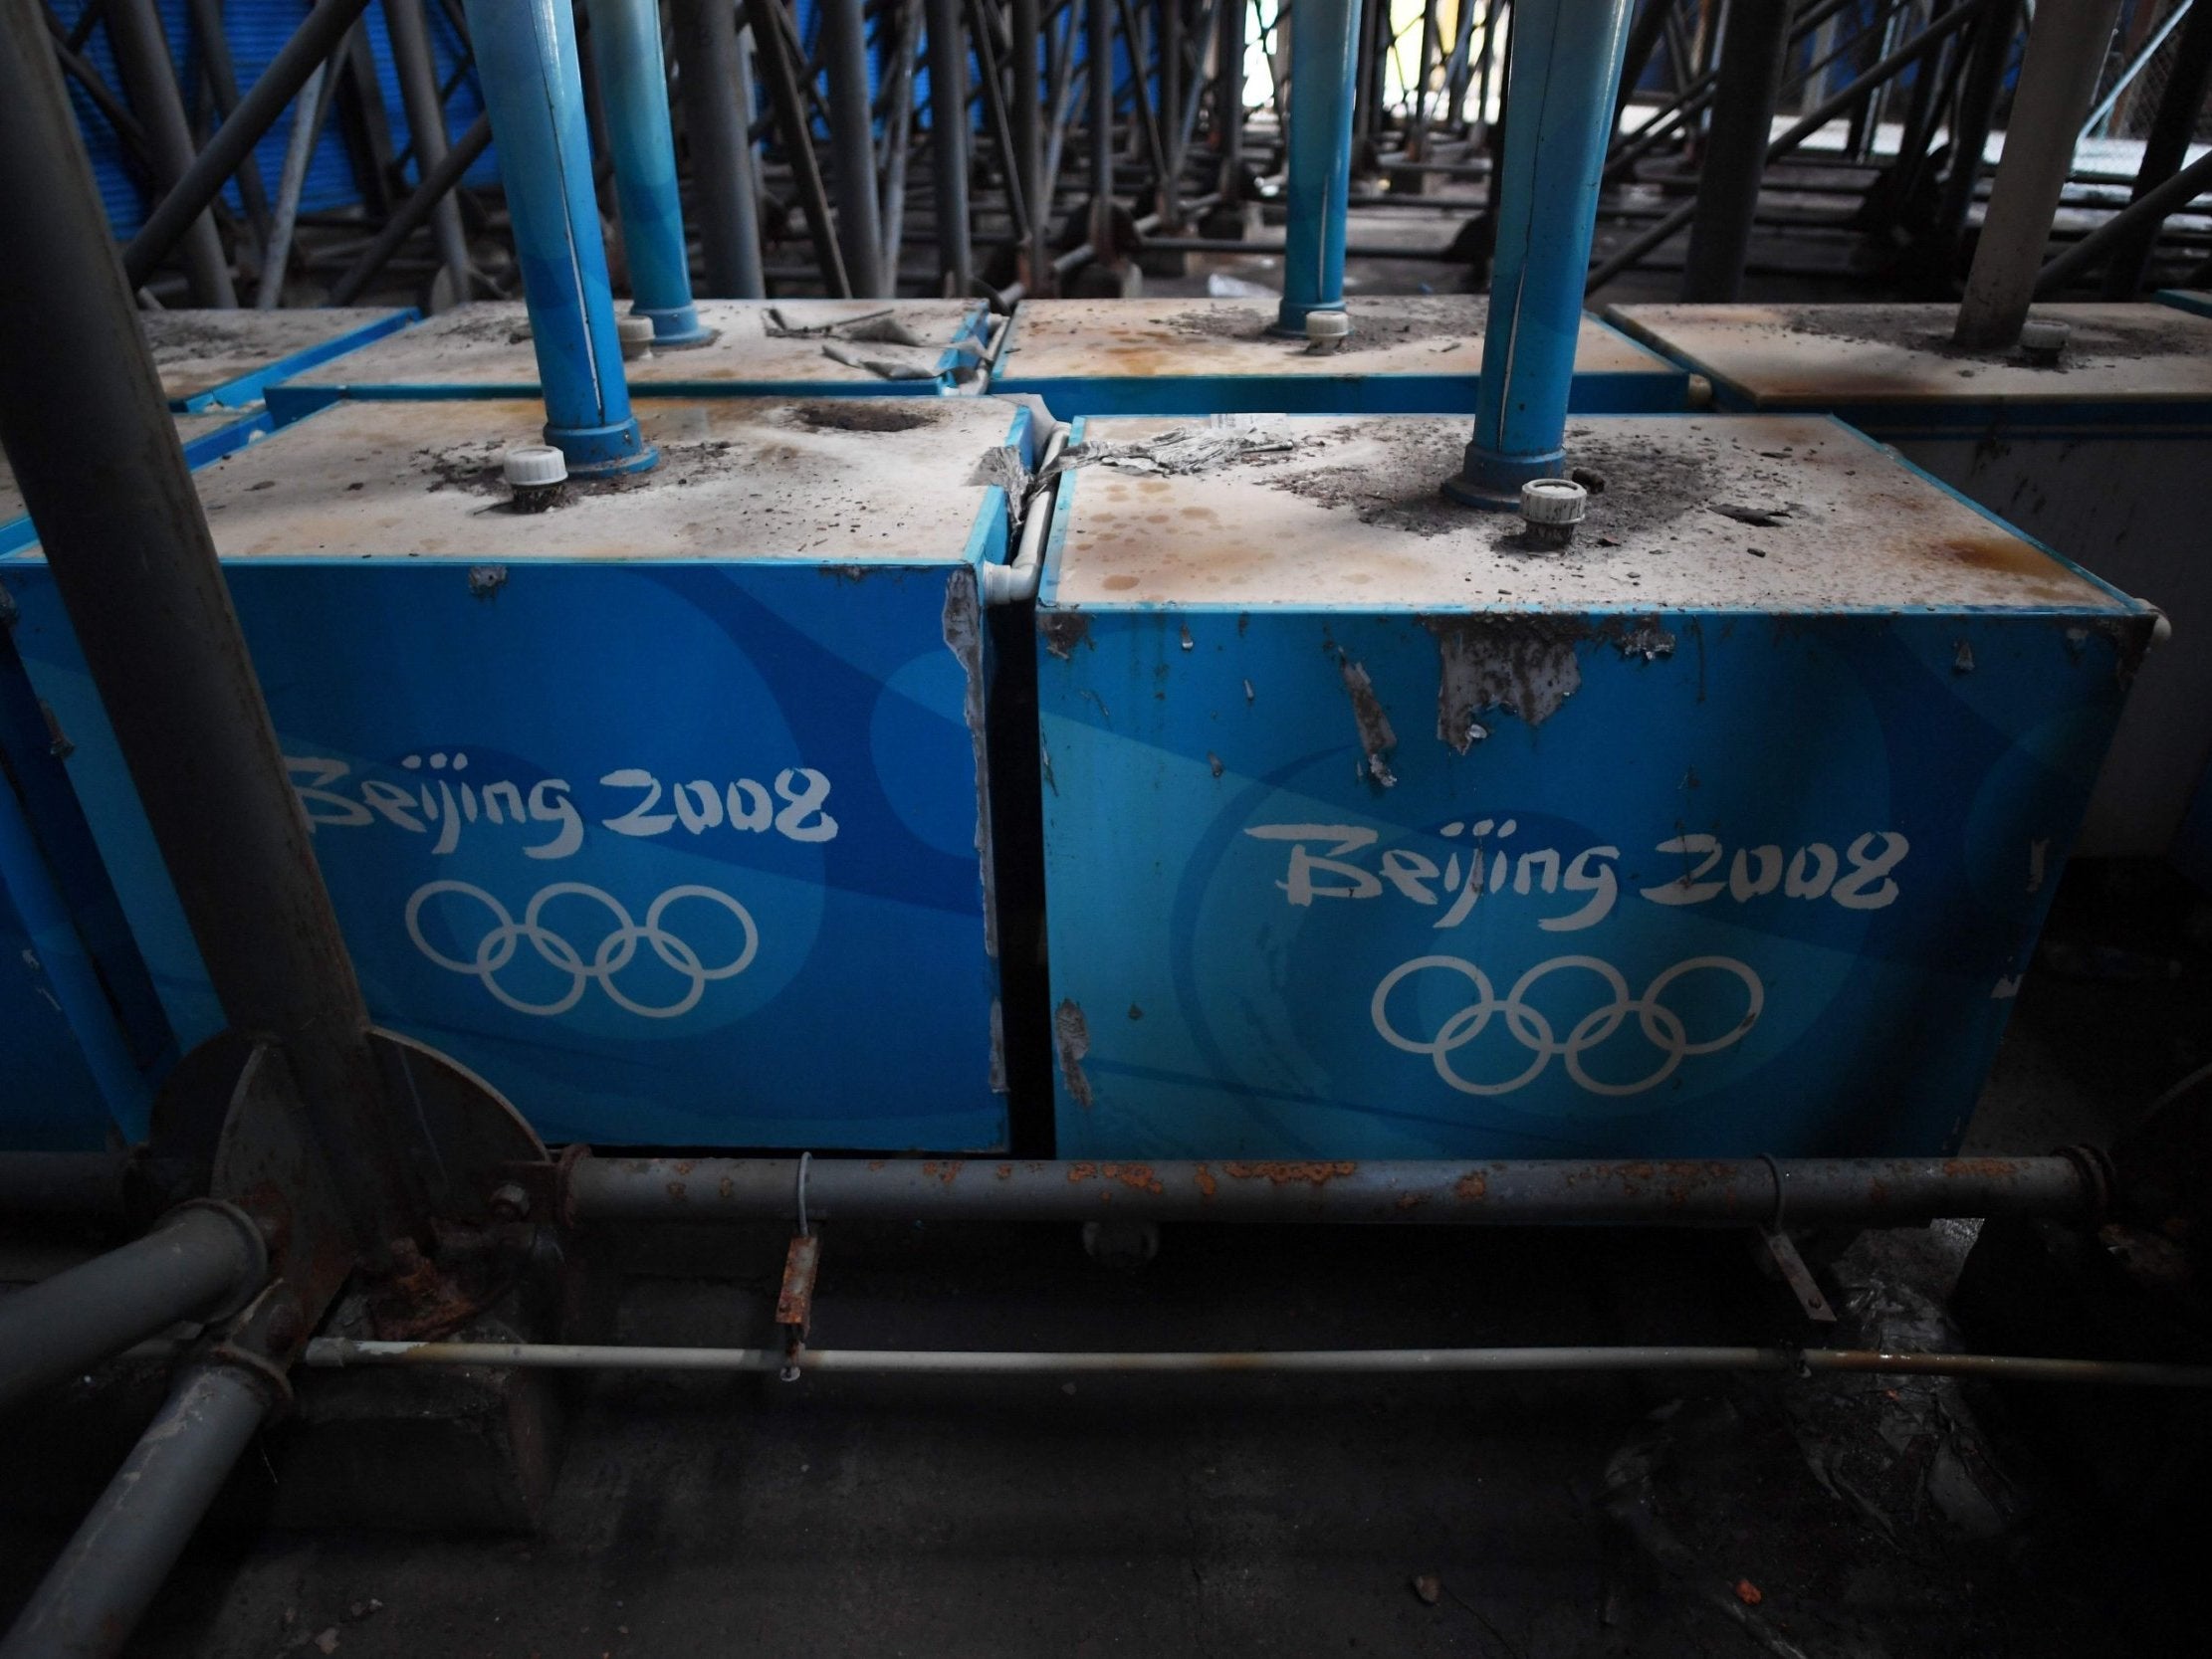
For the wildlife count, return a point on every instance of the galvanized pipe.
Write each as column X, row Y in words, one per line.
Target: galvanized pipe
column 95, row 454
column 1099, row 19
column 852, row 147
column 1027, row 164
column 1322, row 61
column 419, row 92
column 2057, row 78
column 948, row 49
column 307, row 116
column 1559, row 116
column 317, row 38
column 1737, row 1191
column 409, row 215
column 1228, row 93
column 773, row 53
column 339, row 1352
column 526, row 58
column 200, row 1261
column 2170, row 197
column 718, row 128
column 2168, row 146
column 1980, row 84
column 1751, row 58
column 94, row 1596
column 150, row 81
column 633, row 91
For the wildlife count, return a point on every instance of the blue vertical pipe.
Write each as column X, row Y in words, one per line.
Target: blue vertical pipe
column 28, row 883
column 633, row 87
column 1322, row 58
column 526, row 58
column 1559, row 104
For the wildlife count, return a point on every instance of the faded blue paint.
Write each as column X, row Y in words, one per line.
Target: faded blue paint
column 633, row 92
column 1319, row 185
column 623, row 705
column 1217, row 988
column 1559, row 118
column 533, row 87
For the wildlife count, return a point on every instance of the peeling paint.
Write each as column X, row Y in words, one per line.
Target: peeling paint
column 1311, row 1173
column 1214, row 763
column 964, row 638
column 1643, row 639
column 1188, row 644
column 1526, row 666
column 1072, row 1036
column 1063, row 631
column 1377, row 739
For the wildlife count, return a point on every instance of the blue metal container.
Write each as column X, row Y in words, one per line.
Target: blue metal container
column 2187, row 299
column 228, row 359
column 662, row 809
column 2100, row 455
column 1415, row 354
column 208, row 435
column 1373, row 830
column 761, row 348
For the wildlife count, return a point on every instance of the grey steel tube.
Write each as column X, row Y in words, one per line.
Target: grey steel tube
column 772, row 53
column 61, row 1183
column 200, row 1261
column 2170, row 197
column 339, row 1352
column 419, row 92
column 150, row 81
column 1099, row 19
column 410, row 214
column 318, row 36
column 2057, row 78
column 852, row 147
column 1229, row 91
column 1027, row 162
column 1738, row 1191
column 95, row 454
column 1980, row 85
column 92, row 1597
column 718, row 128
column 1751, row 58
column 948, row 47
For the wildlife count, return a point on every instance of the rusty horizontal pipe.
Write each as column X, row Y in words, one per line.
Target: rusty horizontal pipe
column 339, row 1352
column 1520, row 1193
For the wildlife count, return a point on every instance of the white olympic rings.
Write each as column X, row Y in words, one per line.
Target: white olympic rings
column 614, row 953
column 1662, row 1026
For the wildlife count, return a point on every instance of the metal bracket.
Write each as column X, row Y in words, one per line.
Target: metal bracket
column 1782, row 1253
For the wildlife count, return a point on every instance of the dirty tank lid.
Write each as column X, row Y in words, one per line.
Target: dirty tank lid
column 840, row 480
column 1427, row 335
column 197, row 350
column 1796, row 357
column 488, row 345
column 1750, row 513
column 188, row 427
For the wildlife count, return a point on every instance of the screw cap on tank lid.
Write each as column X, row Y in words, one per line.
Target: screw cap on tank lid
column 1327, row 328
column 2043, row 337
column 533, row 466
column 635, row 333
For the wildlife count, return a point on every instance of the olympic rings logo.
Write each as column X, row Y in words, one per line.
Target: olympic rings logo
column 1663, row 1028
column 614, row 952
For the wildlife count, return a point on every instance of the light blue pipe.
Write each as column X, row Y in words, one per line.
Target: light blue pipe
column 1559, row 110
column 633, row 91
column 26, row 880
column 1320, row 161
column 525, row 59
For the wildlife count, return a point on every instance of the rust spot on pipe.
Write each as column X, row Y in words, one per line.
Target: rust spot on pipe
column 876, row 1163
column 1313, row 1172
column 1411, row 1200
column 1005, row 1171
column 676, row 1191
column 726, row 1189
column 1077, row 1172
column 1208, row 1185
column 1473, row 1186
column 1138, row 1177
column 946, row 1170
column 1987, row 1168
column 683, row 1169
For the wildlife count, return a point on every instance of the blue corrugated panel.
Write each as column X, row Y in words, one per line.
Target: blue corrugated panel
column 257, row 30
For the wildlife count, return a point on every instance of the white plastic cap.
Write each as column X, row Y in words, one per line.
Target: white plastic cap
column 635, row 333
column 533, row 466
column 2044, row 336
column 1554, row 501
column 1327, row 325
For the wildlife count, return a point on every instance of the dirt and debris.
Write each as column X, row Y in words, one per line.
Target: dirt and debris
column 865, row 414
column 1376, row 324
column 2098, row 339
column 475, row 468
column 1183, row 451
